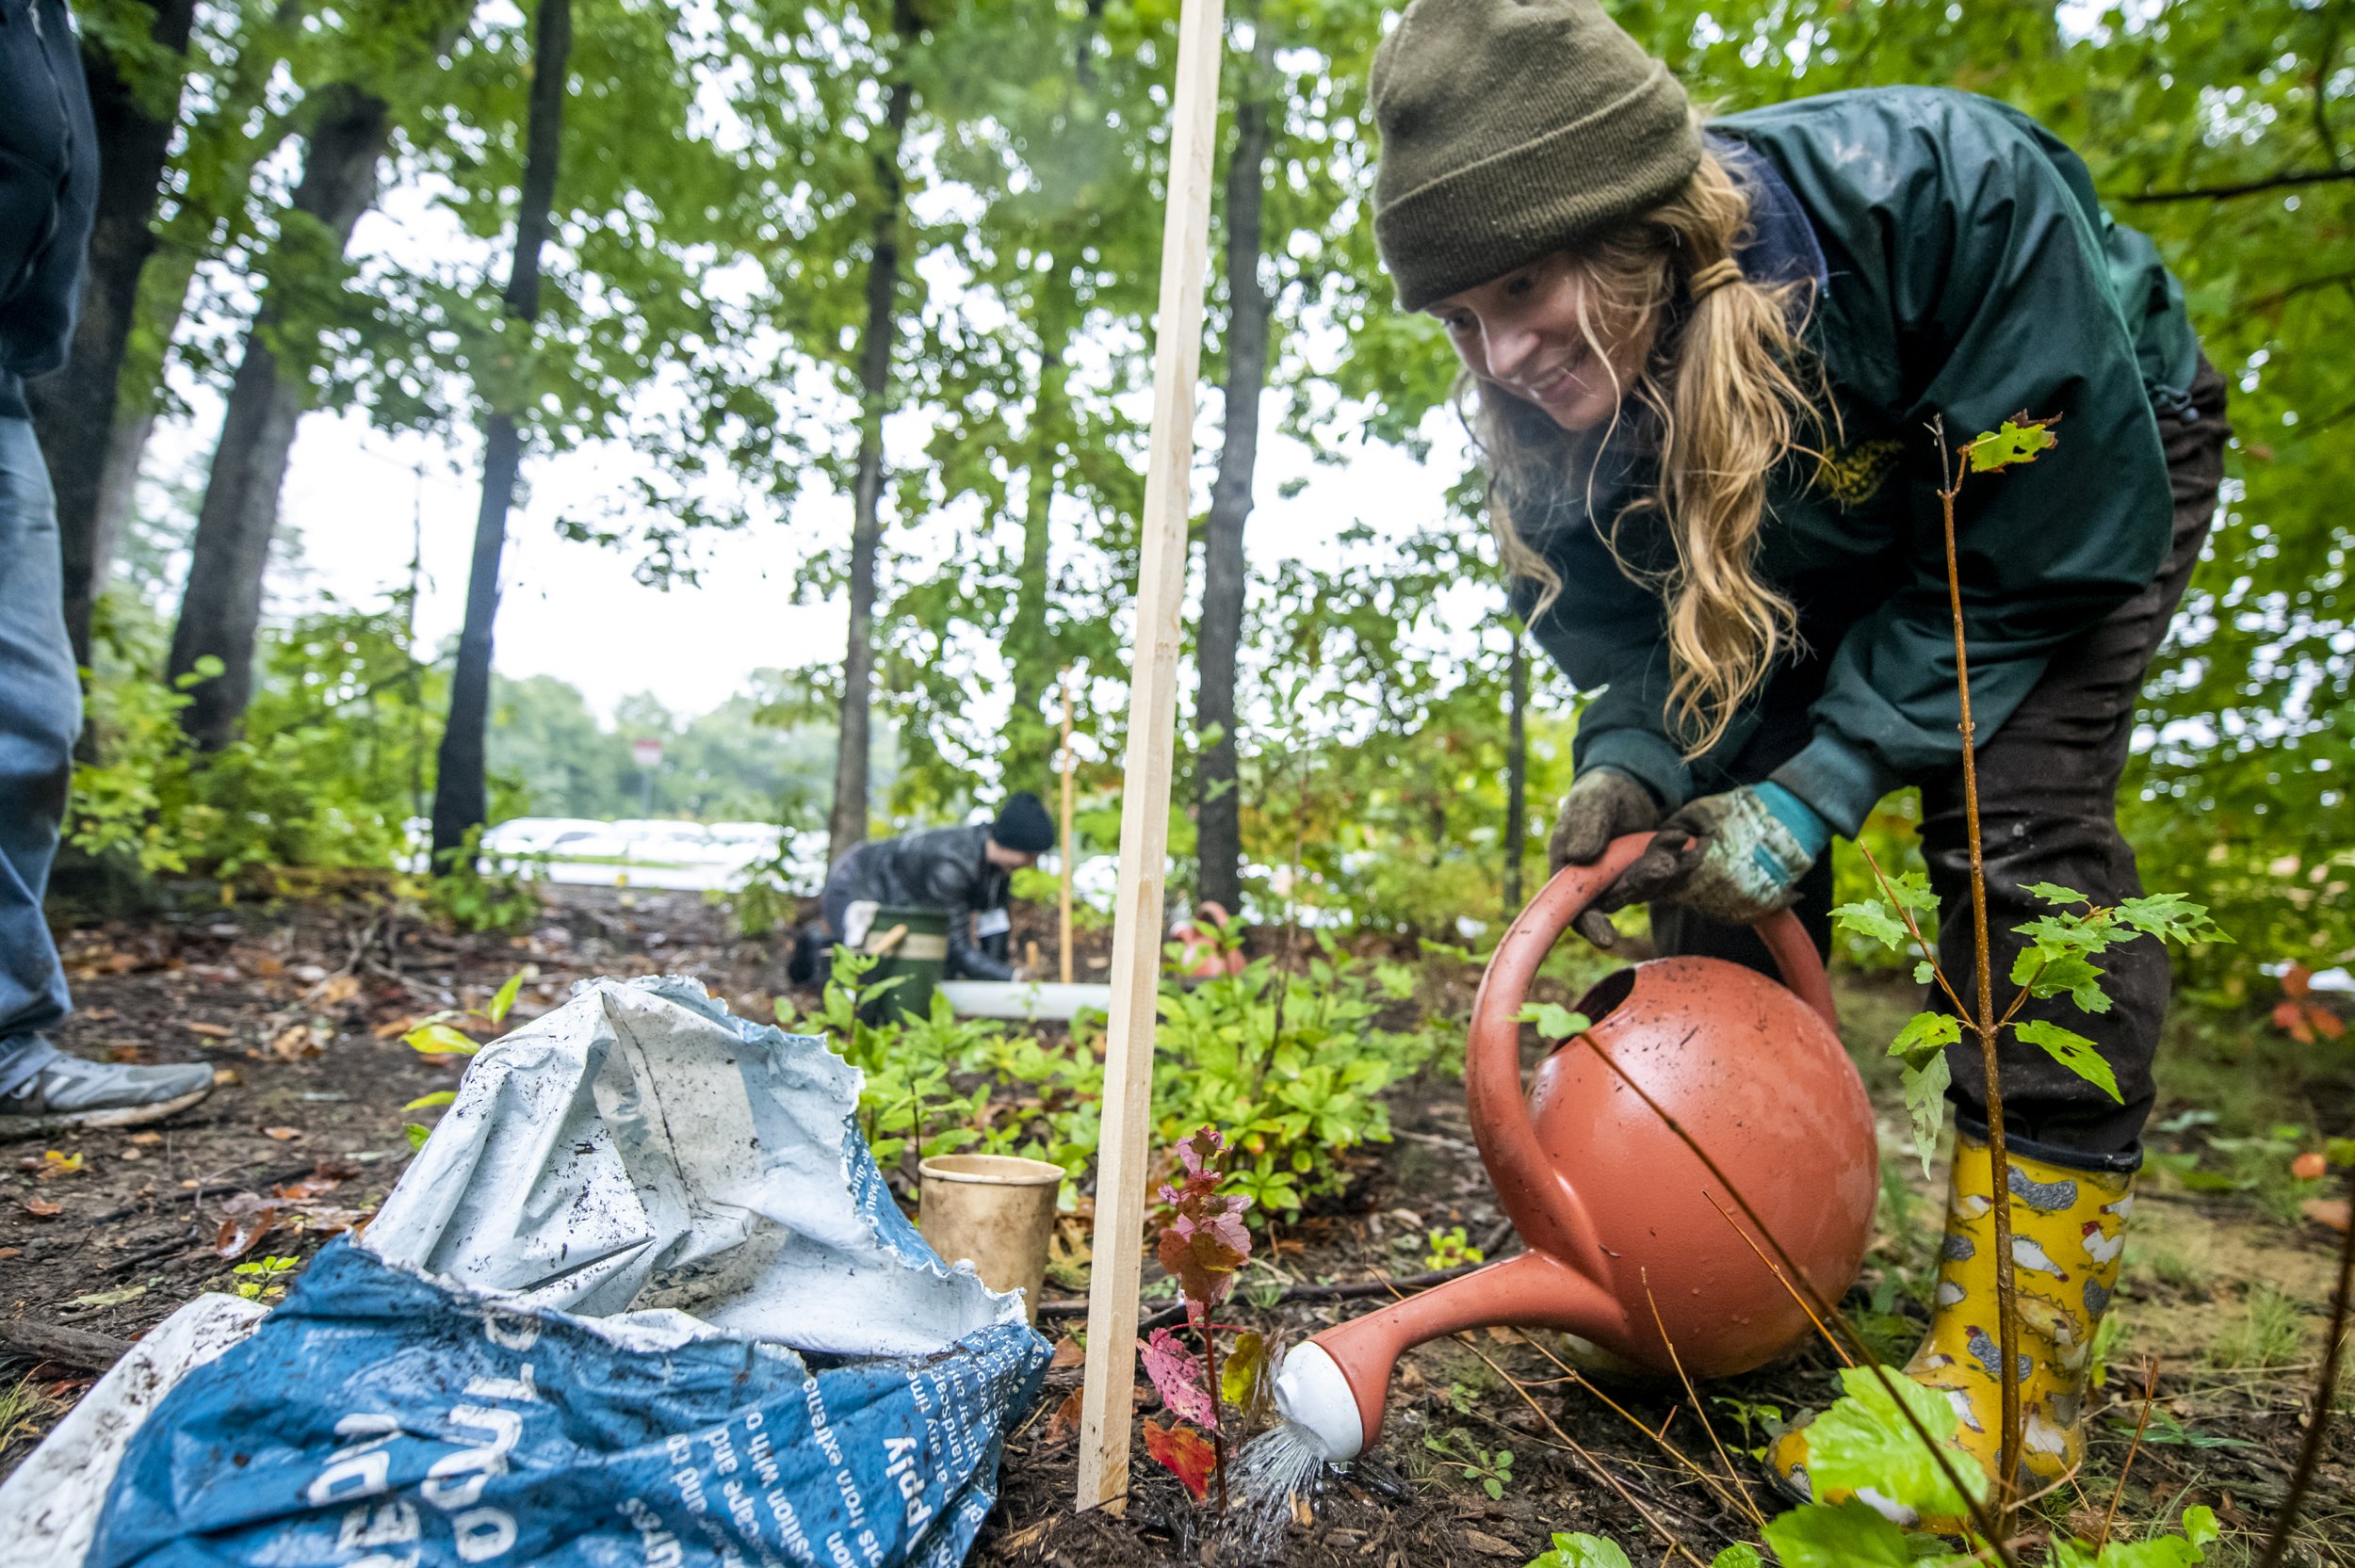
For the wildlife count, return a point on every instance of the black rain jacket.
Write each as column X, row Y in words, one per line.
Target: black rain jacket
column 48, row 191
column 943, row 869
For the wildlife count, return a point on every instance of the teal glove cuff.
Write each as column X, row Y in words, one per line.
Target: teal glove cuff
column 1812, row 831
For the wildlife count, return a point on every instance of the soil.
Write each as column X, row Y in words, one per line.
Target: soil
column 300, row 1005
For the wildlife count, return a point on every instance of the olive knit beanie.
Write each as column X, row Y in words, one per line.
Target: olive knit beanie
column 1511, row 129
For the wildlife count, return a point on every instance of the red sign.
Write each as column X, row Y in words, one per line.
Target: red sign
column 648, row 752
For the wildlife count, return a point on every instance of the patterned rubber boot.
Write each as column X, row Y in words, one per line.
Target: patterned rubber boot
column 2068, row 1230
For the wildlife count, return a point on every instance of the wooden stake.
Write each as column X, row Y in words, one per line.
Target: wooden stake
column 1124, row 1149
column 1068, row 763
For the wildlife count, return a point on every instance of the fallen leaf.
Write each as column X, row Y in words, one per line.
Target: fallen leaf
column 284, row 1135
column 2309, row 1166
column 2332, row 1212
column 147, row 1139
column 246, row 1219
column 52, row 1163
column 211, row 1031
column 1184, row 1453
column 110, row 1298
column 1066, row 1417
column 338, row 990
column 9, row 1252
column 41, row 1208
column 392, row 1027
column 294, row 1042
column 223, row 1076
column 1069, row 1353
column 1489, row 1545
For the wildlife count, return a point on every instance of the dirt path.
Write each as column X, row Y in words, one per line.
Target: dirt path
column 300, row 1009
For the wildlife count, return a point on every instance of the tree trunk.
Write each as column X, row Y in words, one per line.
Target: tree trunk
column 1516, row 776
column 846, row 826
column 75, row 409
column 184, row 240
column 461, row 796
column 220, row 608
column 1030, row 646
column 1218, row 806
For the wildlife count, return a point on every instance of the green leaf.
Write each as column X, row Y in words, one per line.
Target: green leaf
column 418, row 1132
column 2069, row 974
column 439, row 1040
column 1925, row 1104
column 2072, row 1051
column 2171, row 917
column 1553, row 1020
column 427, row 1102
column 1926, row 1035
column 2053, row 893
column 2018, row 440
column 497, row 1012
column 1864, row 1441
column 2199, row 1525
column 1912, row 890
column 1580, row 1550
column 1873, row 918
column 1740, row 1555
column 1925, row 972
column 1849, row 1536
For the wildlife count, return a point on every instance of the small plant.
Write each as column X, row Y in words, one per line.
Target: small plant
column 1492, row 1471
column 259, row 1279
column 1203, row 1242
column 466, row 895
column 1449, row 1249
column 437, row 1035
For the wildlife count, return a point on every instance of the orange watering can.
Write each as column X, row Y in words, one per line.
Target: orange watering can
column 1626, row 1232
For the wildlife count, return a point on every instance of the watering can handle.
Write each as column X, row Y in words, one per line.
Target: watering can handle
column 1543, row 1209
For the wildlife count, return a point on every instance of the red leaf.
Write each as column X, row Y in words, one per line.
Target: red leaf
column 1178, row 1375
column 246, row 1219
column 2327, row 1024
column 2309, row 1167
column 2287, row 1015
column 1066, row 1418
column 2296, row 980
column 1184, row 1453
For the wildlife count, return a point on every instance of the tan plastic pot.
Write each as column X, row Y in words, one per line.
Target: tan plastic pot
column 994, row 1210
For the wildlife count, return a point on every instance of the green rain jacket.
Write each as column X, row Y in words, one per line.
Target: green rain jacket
column 1963, row 270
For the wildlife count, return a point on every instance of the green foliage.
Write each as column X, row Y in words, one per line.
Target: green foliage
column 1577, row 1549
column 1490, row 1470
column 264, row 1279
column 1864, row 1441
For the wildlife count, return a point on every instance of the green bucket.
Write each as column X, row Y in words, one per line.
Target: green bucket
column 914, row 956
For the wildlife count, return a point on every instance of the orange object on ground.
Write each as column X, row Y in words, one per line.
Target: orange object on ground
column 1618, row 1216
column 1201, row 955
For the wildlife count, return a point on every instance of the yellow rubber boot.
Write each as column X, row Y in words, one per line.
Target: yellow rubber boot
column 2068, row 1230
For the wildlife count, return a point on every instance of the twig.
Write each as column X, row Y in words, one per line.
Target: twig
column 1699, row 1411
column 1572, row 1375
column 78, row 1348
column 2150, row 1396
column 1913, row 927
column 1774, row 1268
column 2006, row 1294
column 2326, row 1396
column 1350, row 1291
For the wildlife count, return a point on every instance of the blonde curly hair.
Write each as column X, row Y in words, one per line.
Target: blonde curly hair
column 1725, row 393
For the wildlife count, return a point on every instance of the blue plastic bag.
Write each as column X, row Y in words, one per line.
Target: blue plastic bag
column 524, row 1363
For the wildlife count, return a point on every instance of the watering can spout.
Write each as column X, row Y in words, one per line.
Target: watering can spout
column 1335, row 1385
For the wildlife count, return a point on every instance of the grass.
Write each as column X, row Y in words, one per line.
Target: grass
column 25, row 1411
column 2272, row 1333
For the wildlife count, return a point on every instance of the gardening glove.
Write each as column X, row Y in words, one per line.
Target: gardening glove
column 1733, row 857
column 1603, row 804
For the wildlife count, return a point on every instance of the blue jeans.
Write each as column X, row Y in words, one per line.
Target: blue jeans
column 40, row 714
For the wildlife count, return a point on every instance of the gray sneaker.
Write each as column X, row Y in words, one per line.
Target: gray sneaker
column 70, row 1093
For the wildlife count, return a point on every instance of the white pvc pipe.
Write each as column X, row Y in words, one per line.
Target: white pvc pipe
column 1031, row 1000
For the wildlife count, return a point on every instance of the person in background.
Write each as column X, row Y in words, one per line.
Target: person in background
column 967, row 871
column 1702, row 358
column 48, row 186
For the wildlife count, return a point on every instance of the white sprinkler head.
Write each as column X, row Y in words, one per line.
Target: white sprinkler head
column 1312, row 1392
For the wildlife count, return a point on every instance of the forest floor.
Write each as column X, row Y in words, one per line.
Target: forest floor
column 299, row 1006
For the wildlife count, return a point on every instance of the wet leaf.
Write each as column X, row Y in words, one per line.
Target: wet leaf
column 1239, row 1373
column 1178, row 1377
column 1849, row 1536
column 1184, row 1453
column 1864, row 1441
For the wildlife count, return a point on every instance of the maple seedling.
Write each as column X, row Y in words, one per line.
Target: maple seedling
column 1203, row 1242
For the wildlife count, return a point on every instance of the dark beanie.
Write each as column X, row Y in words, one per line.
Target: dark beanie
column 1023, row 825
column 1511, row 129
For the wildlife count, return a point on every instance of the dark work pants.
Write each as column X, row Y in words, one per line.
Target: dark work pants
column 2048, row 811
